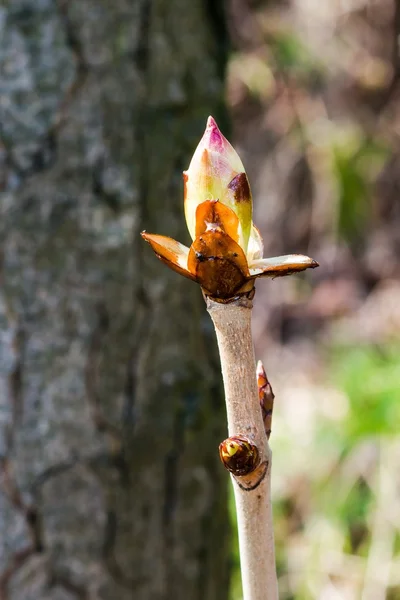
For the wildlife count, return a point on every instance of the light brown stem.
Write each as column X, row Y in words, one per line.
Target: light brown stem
column 252, row 492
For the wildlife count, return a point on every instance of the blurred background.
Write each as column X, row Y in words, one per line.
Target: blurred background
column 111, row 407
column 313, row 89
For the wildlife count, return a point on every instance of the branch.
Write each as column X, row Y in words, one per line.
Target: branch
column 232, row 323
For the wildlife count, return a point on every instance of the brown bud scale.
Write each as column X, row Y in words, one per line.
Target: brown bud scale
column 266, row 397
column 241, row 188
column 239, row 455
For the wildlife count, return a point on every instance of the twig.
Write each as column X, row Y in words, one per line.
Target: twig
column 225, row 258
column 232, row 323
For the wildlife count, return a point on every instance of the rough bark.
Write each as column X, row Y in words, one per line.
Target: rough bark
column 111, row 408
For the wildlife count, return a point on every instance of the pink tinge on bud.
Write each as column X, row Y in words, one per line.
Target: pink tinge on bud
column 214, row 141
column 213, row 138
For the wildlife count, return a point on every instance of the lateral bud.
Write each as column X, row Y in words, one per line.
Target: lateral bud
column 239, row 455
column 266, row 397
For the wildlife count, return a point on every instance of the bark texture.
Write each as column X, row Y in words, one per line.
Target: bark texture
column 111, row 408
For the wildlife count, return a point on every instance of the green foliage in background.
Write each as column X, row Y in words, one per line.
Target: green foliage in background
column 370, row 377
column 293, row 57
column 356, row 162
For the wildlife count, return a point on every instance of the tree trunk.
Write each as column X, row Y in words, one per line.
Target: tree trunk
column 111, row 408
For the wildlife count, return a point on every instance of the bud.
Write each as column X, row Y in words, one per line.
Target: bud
column 217, row 173
column 226, row 255
column 266, row 397
column 239, row 455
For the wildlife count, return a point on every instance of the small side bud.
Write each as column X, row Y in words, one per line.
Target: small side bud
column 266, row 397
column 239, row 455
